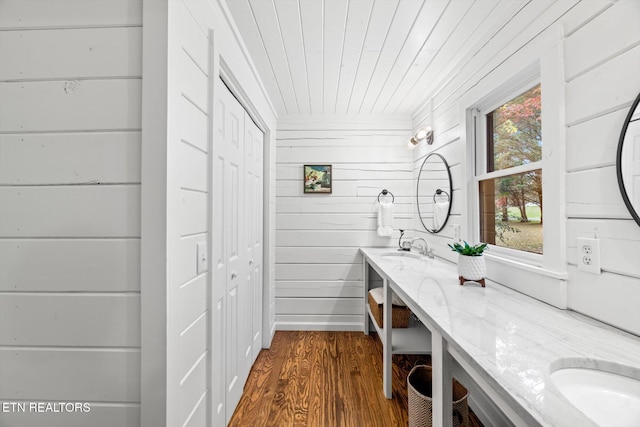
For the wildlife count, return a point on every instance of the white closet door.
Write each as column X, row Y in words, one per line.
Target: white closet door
column 254, row 187
column 253, row 242
column 245, row 326
column 218, row 265
column 237, row 295
column 237, row 251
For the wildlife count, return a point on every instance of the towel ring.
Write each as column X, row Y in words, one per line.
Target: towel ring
column 438, row 193
column 384, row 193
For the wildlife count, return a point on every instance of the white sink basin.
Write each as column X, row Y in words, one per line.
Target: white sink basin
column 405, row 254
column 608, row 398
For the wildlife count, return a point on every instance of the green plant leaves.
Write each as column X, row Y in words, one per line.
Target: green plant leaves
column 468, row 250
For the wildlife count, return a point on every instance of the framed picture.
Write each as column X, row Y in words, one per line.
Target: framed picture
column 317, row 179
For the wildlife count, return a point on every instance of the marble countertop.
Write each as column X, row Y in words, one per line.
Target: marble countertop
column 509, row 339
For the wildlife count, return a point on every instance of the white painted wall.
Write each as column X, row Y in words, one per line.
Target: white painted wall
column 70, row 120
column 318, row 267
column 601, row 41
column 188, row 191
column 104, row 193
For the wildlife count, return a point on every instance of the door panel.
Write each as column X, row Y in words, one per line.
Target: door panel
column 231, row 197
column 218, row 268
column 218, row 364
column 234, row 227
column 254, row 185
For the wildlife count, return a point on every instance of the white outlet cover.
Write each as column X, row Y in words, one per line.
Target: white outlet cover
column 588, row 251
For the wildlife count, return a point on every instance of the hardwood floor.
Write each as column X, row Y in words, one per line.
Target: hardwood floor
column 325, row 379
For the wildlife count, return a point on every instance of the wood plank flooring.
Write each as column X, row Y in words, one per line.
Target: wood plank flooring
column 325, row 379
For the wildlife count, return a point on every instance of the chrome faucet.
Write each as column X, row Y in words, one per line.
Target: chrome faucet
column 422, row 249
column 408, row 244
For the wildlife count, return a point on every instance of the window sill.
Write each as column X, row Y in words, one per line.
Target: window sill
column 534, row 281
column 528, row 267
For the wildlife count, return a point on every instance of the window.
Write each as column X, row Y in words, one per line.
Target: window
column 515, row 160
column 509, row 173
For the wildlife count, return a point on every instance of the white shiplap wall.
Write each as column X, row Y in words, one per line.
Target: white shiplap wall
column 188, row 189
column 318, row 267
column 601, row 45
column 447, row 144
column 70, row 119
column 602, row 58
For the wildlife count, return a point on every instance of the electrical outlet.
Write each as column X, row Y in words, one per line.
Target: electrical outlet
column 589, row 255
column 456, row 233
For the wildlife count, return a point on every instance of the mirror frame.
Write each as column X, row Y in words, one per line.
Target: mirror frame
column 635, row 214
column 450, row 193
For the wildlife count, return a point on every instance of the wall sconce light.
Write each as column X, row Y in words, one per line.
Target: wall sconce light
column 425, row 133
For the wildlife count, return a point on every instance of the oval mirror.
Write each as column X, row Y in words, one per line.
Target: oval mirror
column 434, row 195
column 628, row 161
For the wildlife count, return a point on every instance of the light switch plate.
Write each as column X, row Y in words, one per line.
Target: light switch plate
column 588, row 255
column 202, row 257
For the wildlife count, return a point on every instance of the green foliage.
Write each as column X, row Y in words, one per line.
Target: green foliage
column 517, row 130
column 475, row 250
column 516, row 136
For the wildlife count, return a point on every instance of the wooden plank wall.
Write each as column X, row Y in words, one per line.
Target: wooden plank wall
column 600, row 59
column 70, row 119
column 601, row 44
column 447, row 144
column 318, row 266
column 188, row 147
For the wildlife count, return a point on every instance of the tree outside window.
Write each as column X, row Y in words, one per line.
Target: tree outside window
column 511, row 199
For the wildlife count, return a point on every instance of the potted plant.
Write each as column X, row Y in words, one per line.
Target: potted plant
column 471, row 265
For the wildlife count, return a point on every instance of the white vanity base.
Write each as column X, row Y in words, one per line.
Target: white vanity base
column 505, row 342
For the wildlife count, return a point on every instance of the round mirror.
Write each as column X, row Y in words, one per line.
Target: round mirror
column 434, row 195
column 628, row 161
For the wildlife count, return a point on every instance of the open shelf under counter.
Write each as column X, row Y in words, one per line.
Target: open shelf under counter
column 416, row 339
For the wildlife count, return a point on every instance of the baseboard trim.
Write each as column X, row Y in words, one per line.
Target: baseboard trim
column 319, row 326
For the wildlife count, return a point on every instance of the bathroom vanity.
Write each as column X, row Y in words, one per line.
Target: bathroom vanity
column 511, row 345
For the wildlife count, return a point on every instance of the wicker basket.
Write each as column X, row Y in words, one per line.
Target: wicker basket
column 421, row 404
column 399, row 314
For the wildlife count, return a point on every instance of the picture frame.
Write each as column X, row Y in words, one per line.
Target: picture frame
column 317, row 179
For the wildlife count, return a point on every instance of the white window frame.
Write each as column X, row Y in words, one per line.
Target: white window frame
column 481, row 174
column 540, row 276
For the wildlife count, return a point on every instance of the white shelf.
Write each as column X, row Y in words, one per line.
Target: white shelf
column 416, row 339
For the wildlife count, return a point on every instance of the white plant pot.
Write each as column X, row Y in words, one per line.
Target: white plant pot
column 472, row 267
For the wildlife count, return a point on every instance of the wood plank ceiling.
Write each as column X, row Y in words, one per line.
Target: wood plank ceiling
column 363, row 57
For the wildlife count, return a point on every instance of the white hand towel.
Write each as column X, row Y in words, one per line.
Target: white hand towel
column 440, row 210
column 385, row 219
